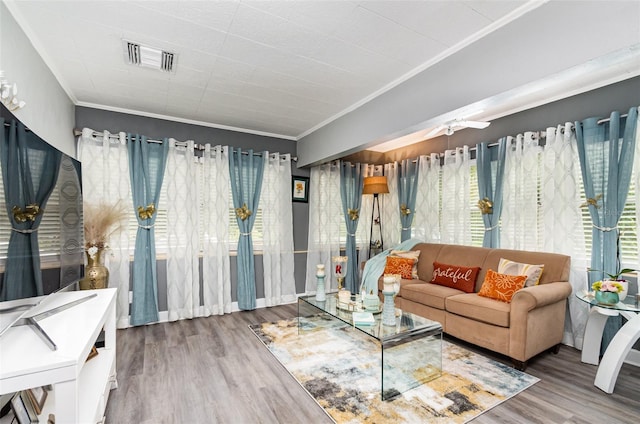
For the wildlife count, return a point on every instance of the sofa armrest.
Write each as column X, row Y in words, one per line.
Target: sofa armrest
column 533, row 297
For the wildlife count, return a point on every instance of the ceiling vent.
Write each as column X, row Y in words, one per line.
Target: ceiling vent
column 149, row 57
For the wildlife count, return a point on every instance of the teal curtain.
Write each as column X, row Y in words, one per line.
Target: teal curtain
column 29, row 175
column 246, row 171
column 147, row 162
column 606, row 160
column 490, row 182
column 351, row 182
column 407, row 191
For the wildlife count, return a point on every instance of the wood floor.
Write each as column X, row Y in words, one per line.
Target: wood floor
column 214, row 370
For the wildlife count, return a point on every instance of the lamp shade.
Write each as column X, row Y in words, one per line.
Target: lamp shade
column 375, row 185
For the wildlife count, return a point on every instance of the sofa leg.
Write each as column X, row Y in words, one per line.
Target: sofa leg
column 519, row 365
column 555, row 349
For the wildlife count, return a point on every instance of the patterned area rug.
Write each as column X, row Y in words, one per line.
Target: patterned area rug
column 340, row 368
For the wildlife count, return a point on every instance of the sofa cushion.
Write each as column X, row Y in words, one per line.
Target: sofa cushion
column 411, row 254
column 484, row 309
column 428, row 294
column 501, row 286
column 455, row 276
column 400, row 266
column 533, row 272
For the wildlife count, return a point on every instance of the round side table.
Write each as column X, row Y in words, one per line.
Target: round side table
column 621, row 343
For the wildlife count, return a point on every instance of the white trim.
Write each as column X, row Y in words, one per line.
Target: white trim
column 183, row 120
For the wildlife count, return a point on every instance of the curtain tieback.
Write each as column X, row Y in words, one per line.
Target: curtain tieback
column 17, row 230
column 245, row 234
column 352, row 235
column 146, row 227
column 486, row 230
column 607, row 229
column 405, row 229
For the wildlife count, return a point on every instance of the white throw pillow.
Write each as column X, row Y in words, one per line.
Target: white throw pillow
column 533, row 272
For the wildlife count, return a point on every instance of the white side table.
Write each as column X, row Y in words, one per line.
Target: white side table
column 619, row 347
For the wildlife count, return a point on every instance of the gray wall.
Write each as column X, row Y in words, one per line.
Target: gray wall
column 49, row 111
column 600, row 102
column 113, row 122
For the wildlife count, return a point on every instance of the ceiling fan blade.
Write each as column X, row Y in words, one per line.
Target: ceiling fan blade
column 475, row 124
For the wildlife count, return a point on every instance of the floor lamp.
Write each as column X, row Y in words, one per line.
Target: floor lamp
column 375, row 186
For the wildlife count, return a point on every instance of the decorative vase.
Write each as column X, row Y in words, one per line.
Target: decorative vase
column 388, row 309
column 607, row 298
column 320, row 274
column 96, row 275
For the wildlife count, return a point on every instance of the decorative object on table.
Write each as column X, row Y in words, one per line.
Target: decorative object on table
column 344, row 300
column 320, row 290
column 389, row 307
column 340, row 269
column 300, row 189
column 375, row 186
column 23, row 409
column 101, row 221
column 342, row 373
column 617, row 277
column 363, row 318
column 37, row 396
column 607, row 292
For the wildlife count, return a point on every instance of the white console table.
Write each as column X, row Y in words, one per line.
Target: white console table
column 80, row 388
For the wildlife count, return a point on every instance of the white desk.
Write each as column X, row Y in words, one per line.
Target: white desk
column 80, row 388
column 620, row 346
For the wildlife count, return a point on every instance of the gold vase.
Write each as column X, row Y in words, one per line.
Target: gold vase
column 96, row 275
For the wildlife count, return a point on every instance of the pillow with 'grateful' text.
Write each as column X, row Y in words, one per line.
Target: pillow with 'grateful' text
column 455, row 276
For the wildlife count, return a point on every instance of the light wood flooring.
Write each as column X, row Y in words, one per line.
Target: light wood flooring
column 214, row 370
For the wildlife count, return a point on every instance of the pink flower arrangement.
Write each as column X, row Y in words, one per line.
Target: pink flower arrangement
column 607, row 286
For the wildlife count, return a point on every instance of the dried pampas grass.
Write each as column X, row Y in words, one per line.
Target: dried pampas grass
column 101, row 221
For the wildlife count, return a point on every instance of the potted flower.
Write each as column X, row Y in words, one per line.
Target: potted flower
column 607, row 292
column 617, row 277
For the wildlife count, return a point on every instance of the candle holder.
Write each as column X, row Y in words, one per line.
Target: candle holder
column 320, row 291
column 340, row 269
column 388, row 309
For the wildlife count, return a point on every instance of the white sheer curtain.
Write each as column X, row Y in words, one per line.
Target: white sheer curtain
column 105, row 178
column 277, row 227
column 182, row 203
column 391, row 226
column 520, row 221
column 456, row 202
column 216, row 275
column 426, row 223
column 325, row 216
column 562, row 218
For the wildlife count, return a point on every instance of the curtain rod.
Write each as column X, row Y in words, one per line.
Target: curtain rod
column 7, row 124
column 77, row 133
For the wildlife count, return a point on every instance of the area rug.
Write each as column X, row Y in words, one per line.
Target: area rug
column 340, row 368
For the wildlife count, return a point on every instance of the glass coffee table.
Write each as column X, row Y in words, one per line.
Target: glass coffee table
column 410, row 351
column 620, row 345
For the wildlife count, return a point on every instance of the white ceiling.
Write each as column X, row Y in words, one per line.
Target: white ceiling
column 281, row 68
column 276, row 67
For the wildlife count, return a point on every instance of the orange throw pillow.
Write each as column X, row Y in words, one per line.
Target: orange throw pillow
column 397, row 265
column 454, row 276
column 501, row 286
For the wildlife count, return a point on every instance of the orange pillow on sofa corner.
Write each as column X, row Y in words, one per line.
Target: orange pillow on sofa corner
column 397, row 265
column 501, row 287
column 455, row 276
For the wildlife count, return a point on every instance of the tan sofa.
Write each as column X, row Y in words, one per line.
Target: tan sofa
column 532, row 323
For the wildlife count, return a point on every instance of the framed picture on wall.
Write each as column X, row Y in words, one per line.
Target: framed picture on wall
column 300, row 189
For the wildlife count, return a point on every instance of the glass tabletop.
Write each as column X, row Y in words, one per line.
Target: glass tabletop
column 630, row 303
column 407, row 324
